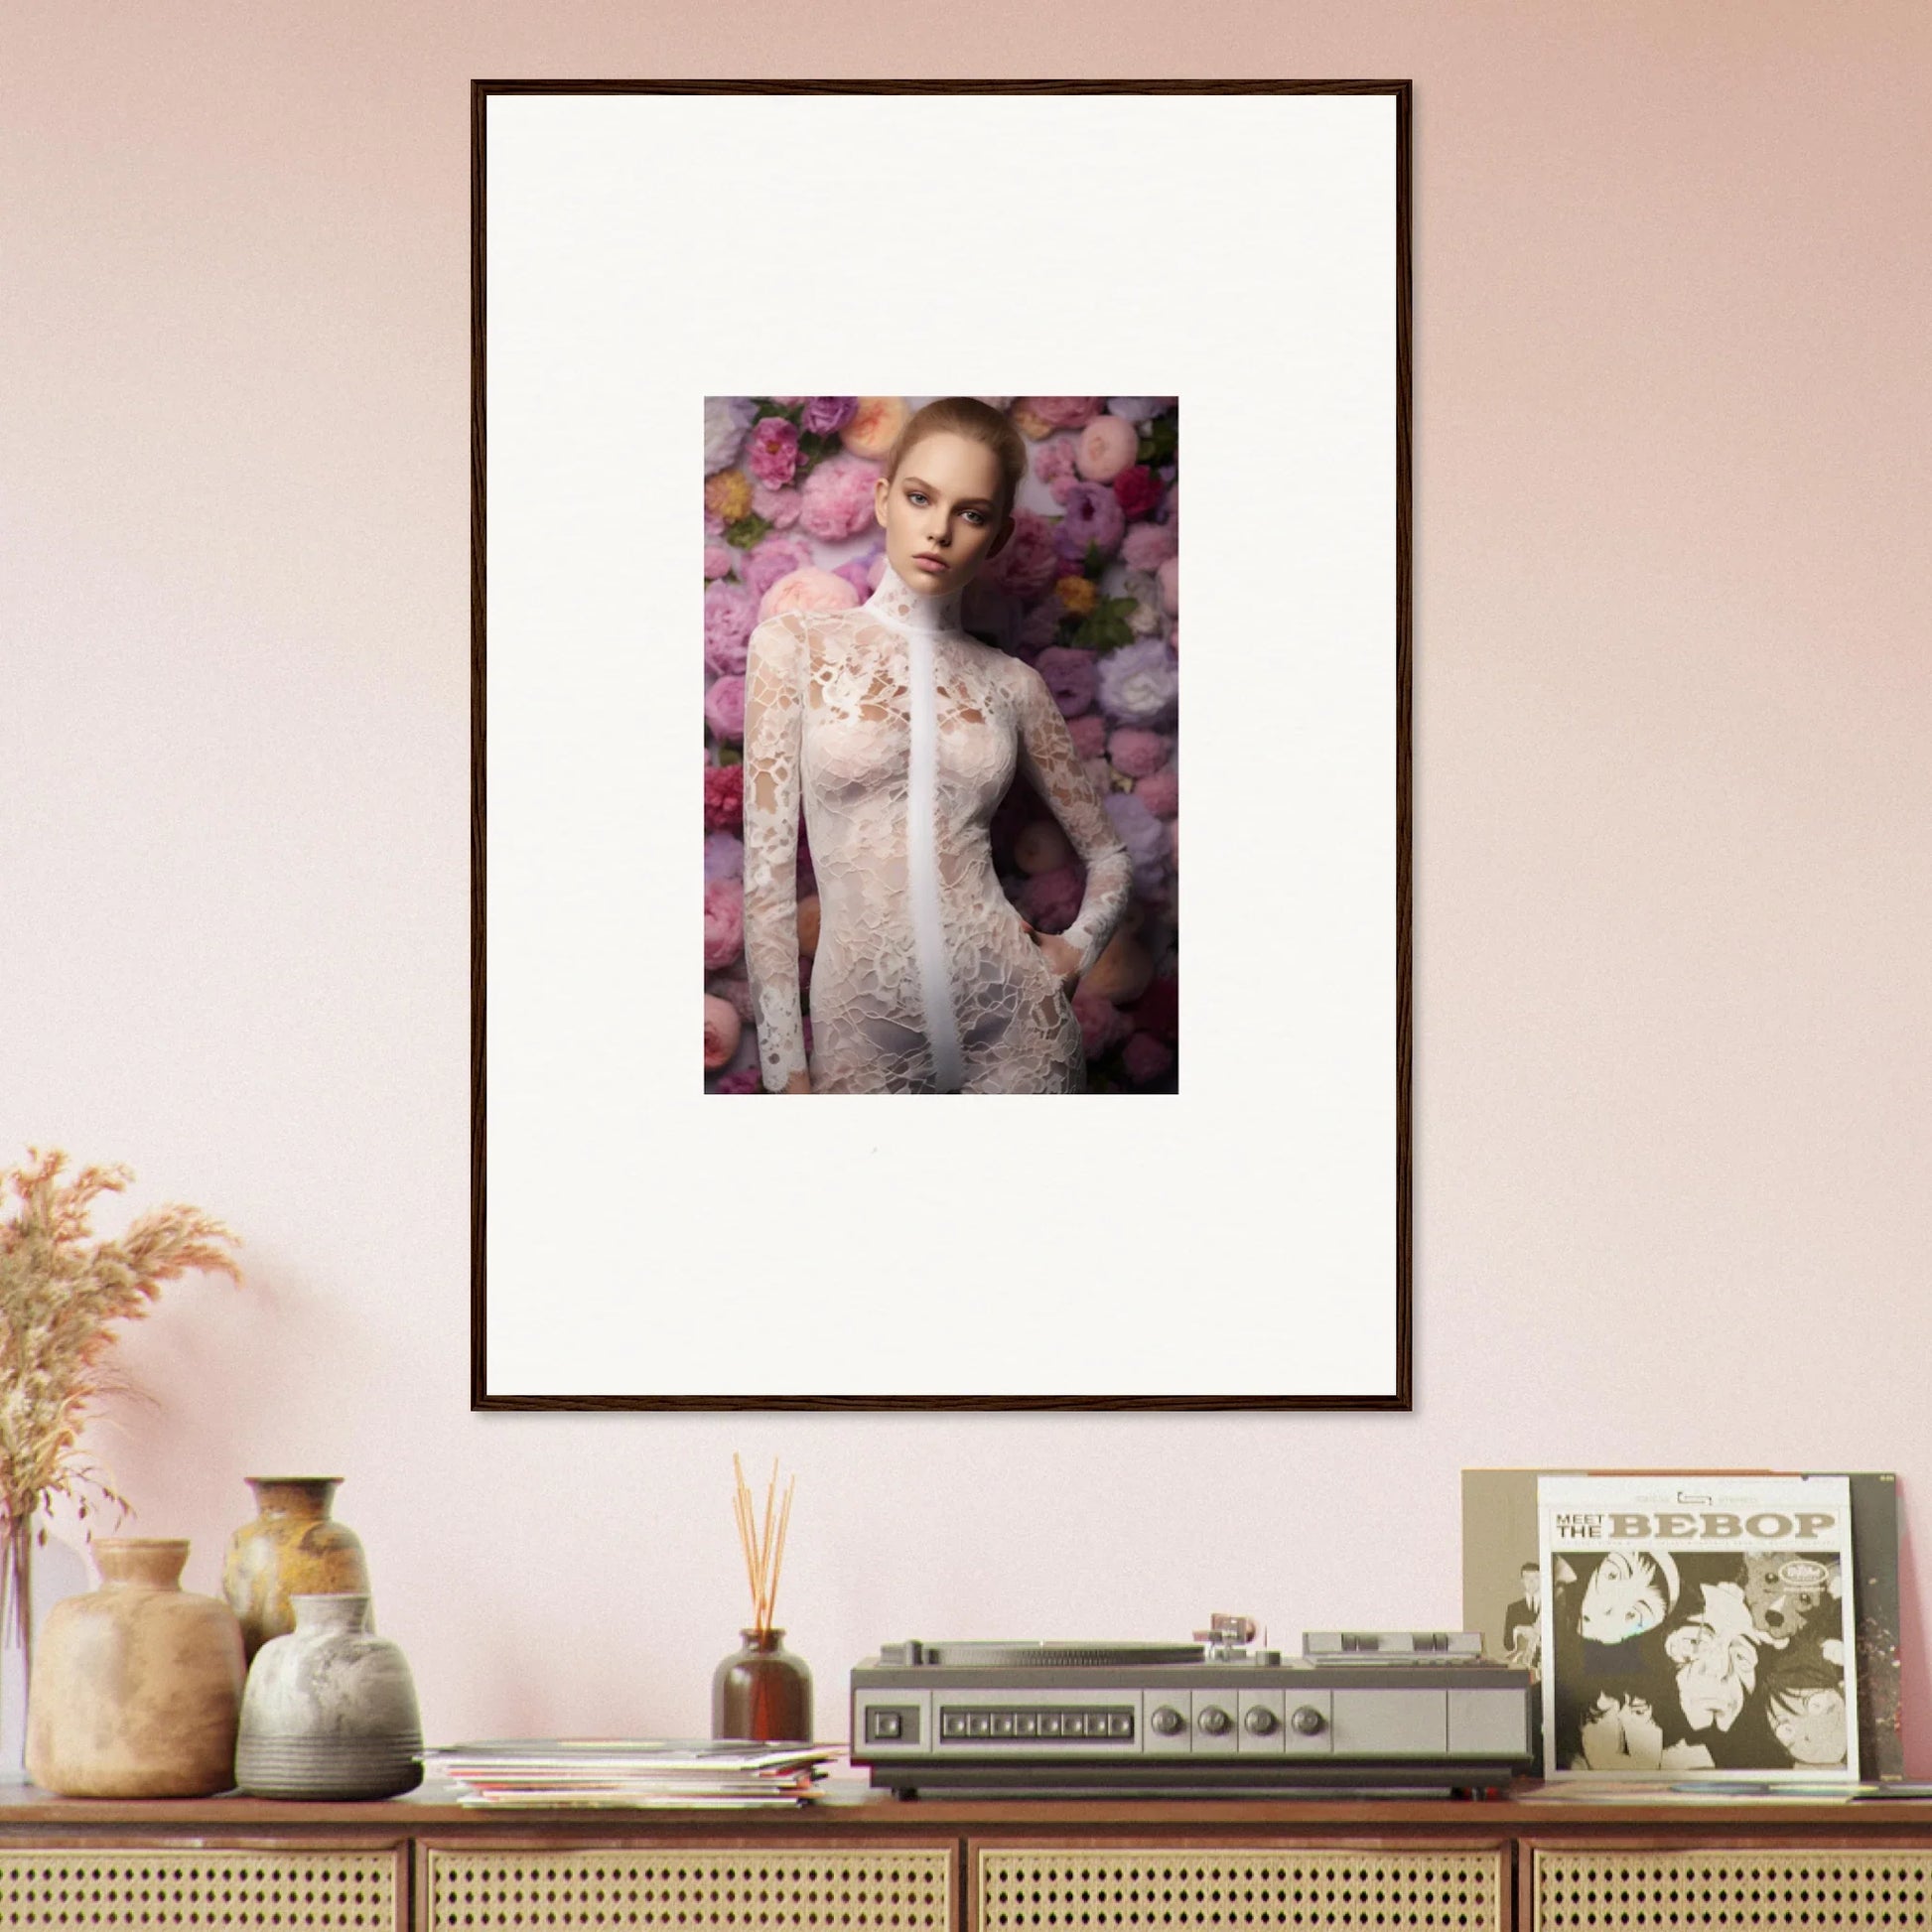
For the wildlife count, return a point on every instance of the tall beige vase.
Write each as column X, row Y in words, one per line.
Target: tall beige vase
column 136, row 1689
column 294, row 1546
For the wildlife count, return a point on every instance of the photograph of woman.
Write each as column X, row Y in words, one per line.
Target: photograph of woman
column 898, row 734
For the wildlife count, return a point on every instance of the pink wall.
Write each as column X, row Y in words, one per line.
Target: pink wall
column 1673, row 905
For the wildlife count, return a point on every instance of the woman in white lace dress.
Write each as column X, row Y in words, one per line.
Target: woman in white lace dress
column 899, row 734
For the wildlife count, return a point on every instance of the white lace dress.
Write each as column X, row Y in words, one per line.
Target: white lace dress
column 900, row 734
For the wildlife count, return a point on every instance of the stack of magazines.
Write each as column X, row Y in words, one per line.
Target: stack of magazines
column 630, row 1773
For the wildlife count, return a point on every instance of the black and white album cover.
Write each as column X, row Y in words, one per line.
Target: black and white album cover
column 1698, row 1629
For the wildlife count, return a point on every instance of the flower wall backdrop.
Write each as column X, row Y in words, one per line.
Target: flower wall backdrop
column 1086, row 590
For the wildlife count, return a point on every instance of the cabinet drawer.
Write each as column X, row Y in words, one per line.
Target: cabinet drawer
column 693, row 1889
column 1100, row 1890
column 237, row 1891
column 1717, row 1891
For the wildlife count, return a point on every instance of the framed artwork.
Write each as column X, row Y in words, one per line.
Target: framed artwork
column 940, row 817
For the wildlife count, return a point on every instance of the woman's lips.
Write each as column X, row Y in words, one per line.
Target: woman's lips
column 930, row 563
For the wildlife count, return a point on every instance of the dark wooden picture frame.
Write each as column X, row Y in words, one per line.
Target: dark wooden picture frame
column 1394, row 1392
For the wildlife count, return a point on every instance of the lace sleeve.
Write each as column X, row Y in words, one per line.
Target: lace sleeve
column 1052, row 768
column 772, row 717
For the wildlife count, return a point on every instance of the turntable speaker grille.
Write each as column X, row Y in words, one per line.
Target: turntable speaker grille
column 693, row 1889
column 1186, row 1890
column 1706, row 1891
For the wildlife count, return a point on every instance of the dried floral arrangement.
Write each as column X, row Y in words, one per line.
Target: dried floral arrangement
column 62, row 1293
column 763, row 1547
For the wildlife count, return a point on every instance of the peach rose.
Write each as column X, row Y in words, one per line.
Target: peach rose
column 722, row 1027
column 809, row 589
column 1106, row 447
column 875, row 424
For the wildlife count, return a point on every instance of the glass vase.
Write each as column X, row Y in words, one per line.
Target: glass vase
column 762, row 1693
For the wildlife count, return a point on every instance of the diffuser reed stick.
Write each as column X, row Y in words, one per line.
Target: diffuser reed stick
column 762, row 1543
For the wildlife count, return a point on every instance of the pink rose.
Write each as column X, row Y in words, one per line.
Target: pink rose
column 1065, row 412
column 722, row 1028
column 723, row 855
column 1160, row 792
column 779, row 507
column 720, row 560
column 765, row 563
column 1031, row 560
column 743, row 1079
column 1106, row 447
column 771, row 456
column 724, row 923
column 1146, row 546
column 1089, row 735
column 1157, row 1009
column 730, row 611
column 1170, row 576
column 1137, row 752
column 724, row 797
column 736, row 994
column 808, row 589
column 837, row 499
column 1055, row 464
column 1145, row 1059
column 723, row 706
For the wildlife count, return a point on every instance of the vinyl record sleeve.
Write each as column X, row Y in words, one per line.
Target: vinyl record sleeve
column 1698, row 1629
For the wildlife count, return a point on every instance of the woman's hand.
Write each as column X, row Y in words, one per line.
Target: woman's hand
column 798, row 1082
column 1061, row 954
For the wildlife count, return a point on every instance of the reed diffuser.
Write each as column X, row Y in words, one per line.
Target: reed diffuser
column 762, row 1692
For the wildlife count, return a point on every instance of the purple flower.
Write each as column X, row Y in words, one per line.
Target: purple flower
column 775, row 557
column 1070, row 676
column 726, row 419
column 825, row 414
column 730, row 611
column 1093, row 515
column 723, row 706
column 1144, row 836
column 724, row 856
column 1139, row 684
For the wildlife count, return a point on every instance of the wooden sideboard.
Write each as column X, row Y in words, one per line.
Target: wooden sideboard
column 865, row 1863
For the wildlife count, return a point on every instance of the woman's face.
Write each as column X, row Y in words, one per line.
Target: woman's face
column 1715, row 1659
column 943, row 504
column 1623, row 1598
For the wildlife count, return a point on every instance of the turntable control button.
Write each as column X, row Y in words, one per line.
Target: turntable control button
column 1260, row 1720
column 1308, row 1720
column 1049, row 1724
column 1026, row 1724
column 1214, row 1721
column 1167, row 1720
column 977, row 1725
column 1120, row 1724
column 952, row 1723
column 1003, row 1723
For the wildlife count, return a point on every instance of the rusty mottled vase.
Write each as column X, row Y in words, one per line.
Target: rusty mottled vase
column 137, row 1688
column 294, row 1546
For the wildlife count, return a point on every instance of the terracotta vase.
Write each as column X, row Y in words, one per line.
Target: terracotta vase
column 293, row 1546
column 329, row 1711
column 763, row 1692
column 136, row 1689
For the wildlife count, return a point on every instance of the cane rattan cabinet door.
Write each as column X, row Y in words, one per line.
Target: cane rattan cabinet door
column 694, row 1888
column 194, row 1889
column 1772, row 1889
column 1201, row 1888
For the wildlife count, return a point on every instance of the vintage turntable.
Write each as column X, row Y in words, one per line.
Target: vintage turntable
column 1409, row 1711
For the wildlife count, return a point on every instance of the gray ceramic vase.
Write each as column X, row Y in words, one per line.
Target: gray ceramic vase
column 329, row 1710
